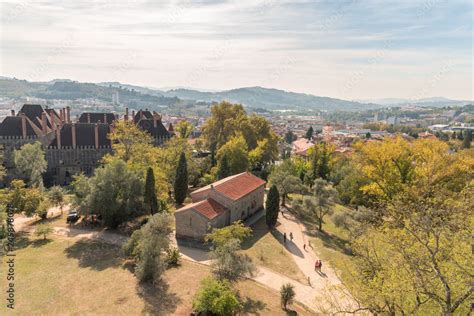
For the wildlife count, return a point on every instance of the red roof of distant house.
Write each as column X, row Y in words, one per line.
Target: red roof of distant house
column 236, row 186
column 208, row 207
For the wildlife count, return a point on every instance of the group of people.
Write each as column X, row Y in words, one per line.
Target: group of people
column 318, row 265
column 284, row 237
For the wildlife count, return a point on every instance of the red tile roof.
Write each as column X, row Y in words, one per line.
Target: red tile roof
column 209, row 208
column 236, row 186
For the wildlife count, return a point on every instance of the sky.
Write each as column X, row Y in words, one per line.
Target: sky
column 348, row 49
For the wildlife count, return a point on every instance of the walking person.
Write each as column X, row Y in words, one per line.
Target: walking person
column 291, row 236
column 304, row 247
column 320, row 266
column 316, row 265
column 284, row 238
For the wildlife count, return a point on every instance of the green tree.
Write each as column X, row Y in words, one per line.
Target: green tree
column 43, row 230
column 223, row 170
column 272, row 207
column 309, row 133
column 289, row 137
column 149, row 247
column 285, row 182
column 216, row 297
column 115, row 192
column 25, row 200
column 237, row 230
column 181, row 180
column 150, row 198
column 368, row 135
column 56, row 196
column 318, row 205
column 30, row 162
column 321, row 159
column 184, row 129
column 467, row 140
column 287, row 295
column 130, row 142
column 237, row 154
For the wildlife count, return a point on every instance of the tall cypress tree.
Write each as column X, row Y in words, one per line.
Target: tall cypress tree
column 309, row 133
column 272, row 206
column 181, row 180
column 466, row 143
column 224, row 168
column 150, row 193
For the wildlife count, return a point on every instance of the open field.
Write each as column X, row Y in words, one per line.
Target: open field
column 67, row 276
column 268, row 251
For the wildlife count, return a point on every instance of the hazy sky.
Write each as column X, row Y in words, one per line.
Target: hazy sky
column 354, row 49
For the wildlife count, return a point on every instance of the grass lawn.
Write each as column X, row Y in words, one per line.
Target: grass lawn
column 75, row 277
column 267, row 251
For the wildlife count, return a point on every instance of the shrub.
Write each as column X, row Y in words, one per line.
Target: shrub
column 287, row 295
column 173, row 257
column 43, row 230
column 216, row 297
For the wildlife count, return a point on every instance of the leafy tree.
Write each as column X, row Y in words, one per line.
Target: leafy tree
column 43, row 230
column 228, row 262
column 31, row 163
column 26, row 200
column 289, row 137
column 150, row 198
column 56, row 196
column 237, row 154
column 272, row 207
column 467, row 140
column 130, row 142
column 3, row 171
column 184, row 129
column 321, row 159
column 287, row 295
column 181, row 180
column 149, row 245
column 318, row 205
column 368, row 135
column 309, row 133
column 237, row 230
column 223, row 170
column 216, row 297
column 285, row 182
column 115, row 192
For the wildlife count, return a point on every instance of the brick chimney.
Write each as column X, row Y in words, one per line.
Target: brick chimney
column 133, row 115
column 68, row 114
column 88, row 117
column 73, row 132
column 13, row 112
column 23, row 124
column 126, row 114
column 105, row 117
column 61, row 115
column 155, row 123
column 111, row 130
column 44, row 125
column 58, row 137
column 96, row 135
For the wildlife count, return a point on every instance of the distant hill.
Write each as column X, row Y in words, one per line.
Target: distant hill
column 428, row 102
column 272, row 99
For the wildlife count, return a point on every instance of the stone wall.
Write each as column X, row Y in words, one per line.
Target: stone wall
column 190, row 224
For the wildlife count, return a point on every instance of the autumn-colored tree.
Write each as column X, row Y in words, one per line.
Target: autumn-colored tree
column 237, row 153
column 184, row 129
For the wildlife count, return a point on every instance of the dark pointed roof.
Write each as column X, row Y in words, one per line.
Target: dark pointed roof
column 158, row 131
column 96, row 117
column 142, row 113
column 11, row 126
column 85, row 135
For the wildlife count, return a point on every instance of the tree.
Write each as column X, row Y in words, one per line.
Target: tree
column 309, row 133
column 150, row 198
column 467, row 140
column 272, row 207
column 56, row 196
column 181, row 180
column 285, row 182
column 289, row 137
column 130, row 142
column 368, row 135
column 287, row 295
column 321, row 156
column 216, row 297
column 318, row 205
column 237, row 154
column 26, row 200
column 31, row 163
column 228, row 262
column 115, row 192
column 149, row 247
column 223, row 170
column 184, row 129
column 43, row 230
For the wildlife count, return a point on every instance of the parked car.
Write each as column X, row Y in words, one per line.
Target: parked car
column 72, row 217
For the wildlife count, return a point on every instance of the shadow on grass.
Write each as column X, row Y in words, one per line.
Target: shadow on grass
column 333, row 242
column 40, row 242
column 251, row 306
column 22, row 241
column 259, row 230
column 158, row 300
column 95, row 254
